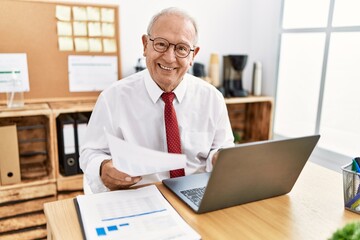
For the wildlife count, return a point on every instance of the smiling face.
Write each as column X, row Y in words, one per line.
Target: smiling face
column 166, row 69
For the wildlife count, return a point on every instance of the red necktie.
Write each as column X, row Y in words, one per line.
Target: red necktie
column 172, row 130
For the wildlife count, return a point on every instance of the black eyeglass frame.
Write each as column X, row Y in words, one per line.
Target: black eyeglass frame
column 176, row 54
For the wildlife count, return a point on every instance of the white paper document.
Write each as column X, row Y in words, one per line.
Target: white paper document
column 132, row 214
column 92, row 73
column 13, row 66
column 139, row 161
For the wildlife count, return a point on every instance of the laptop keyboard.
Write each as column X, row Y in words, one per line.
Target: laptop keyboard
column 194, row 195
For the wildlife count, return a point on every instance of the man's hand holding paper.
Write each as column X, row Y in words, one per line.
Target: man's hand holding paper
column 138, row 161
column 115, row 179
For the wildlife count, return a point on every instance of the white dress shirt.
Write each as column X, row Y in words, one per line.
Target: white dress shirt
column 132, row 109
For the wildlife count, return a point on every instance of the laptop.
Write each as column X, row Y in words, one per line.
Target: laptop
column 245, row 173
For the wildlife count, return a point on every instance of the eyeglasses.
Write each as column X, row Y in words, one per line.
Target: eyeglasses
column 161, row 45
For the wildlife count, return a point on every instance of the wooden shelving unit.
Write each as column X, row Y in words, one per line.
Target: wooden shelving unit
column 21, row 204
column 251, row 118
column 68, row 183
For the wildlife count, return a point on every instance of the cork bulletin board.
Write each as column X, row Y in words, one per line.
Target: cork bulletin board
column 31, row 27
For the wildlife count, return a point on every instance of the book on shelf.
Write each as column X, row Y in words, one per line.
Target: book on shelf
column 141, row 213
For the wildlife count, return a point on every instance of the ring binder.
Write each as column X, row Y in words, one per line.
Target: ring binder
column 81, row 121
column 68, row 164
column 71, row 129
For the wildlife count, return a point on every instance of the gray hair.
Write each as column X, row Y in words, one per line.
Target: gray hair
column 174, row 11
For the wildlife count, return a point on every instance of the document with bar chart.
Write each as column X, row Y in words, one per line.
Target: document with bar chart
column 141, row 213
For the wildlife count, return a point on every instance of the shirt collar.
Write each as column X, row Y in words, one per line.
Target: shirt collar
column 155, row 91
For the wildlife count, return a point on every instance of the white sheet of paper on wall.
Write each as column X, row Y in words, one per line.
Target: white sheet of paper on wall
column 91, row 73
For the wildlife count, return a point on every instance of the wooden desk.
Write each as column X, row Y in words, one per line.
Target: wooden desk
column 314, row 209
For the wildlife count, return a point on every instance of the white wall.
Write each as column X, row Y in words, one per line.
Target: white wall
column 225, row 27
column 265, row 29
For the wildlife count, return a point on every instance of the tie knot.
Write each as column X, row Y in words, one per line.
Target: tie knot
column 168, row 97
